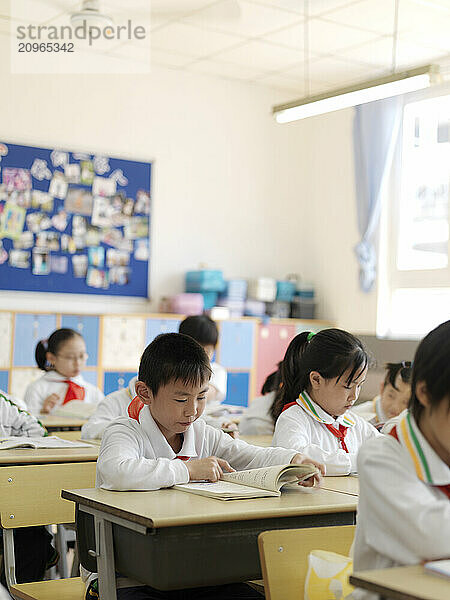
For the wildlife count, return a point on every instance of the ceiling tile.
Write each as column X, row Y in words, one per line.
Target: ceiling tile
column 371, row 15
column 41, row 11
column 379, row 53
column 227, row 70
column 322, row 7
column 132, row 52
column 254, row 20
column 195, row 41
column 165, row 58
column 292, row 37
column 295, row 6
column 262, row 55
column 292, row 85
column 327, row 38
column 334, row 71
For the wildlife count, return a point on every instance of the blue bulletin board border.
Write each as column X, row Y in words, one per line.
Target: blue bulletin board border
column 42, row 190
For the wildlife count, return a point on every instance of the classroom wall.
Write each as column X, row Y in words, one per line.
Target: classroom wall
column 232, row 189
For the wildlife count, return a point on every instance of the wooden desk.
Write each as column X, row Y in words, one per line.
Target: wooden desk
column 53, row 423
column 345, row 485
column 30, row 490
column 257, row 440
column 217, row 539
column 403, row 583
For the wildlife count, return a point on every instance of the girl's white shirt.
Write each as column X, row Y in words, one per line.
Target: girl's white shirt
column 52, row 382
column 371, row 411
column 297, row 428
column 134, row 455
column 114, row 405
column 257, row 420
column 402, row 520
column 15, row 421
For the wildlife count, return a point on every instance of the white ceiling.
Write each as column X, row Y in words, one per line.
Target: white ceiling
column 262, row 41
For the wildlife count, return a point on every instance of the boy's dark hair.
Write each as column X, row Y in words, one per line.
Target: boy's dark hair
column 173, row 357
column 432, row 365
column 201, row 328
column 272, row 382
column 53, row 344
column 331, row 352
column 393, row 369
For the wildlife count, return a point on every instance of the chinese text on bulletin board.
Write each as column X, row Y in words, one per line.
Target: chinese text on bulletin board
column 73, row 222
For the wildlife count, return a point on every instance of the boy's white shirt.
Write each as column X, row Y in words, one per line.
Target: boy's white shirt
column 257, row 420
column 298, row 427
column 15, row 421
column 53, row 383
column 391, row 423
column 136, row 456
column 402, row 519
column 114, row 405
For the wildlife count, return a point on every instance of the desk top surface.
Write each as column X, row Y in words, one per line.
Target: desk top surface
column 169, row 508
column 54, row 421
column 346, row 485
column 30, row 456
column 404, row 583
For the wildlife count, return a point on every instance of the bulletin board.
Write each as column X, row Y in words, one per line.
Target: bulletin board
column 73, row 222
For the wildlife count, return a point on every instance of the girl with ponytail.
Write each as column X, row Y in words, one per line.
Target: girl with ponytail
column 62, row 357
column 321, row 376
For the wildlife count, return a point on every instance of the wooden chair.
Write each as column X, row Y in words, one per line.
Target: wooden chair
column 56, row 589
column 31, row 495
column 284, row 556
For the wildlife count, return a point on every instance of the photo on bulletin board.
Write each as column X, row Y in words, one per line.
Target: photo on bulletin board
column 73, row 222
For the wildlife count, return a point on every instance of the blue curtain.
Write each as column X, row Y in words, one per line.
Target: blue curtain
column 375, row 133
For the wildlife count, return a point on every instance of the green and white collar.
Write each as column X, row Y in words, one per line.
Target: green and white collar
column 318, row 414
column 427, row 464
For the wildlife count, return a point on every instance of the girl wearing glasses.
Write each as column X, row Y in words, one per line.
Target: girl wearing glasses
column 62, row 357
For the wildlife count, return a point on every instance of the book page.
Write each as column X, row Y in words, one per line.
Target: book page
column 271, row 478
column 223, row 490
column 77, row 409
column 438, row 567
column 6, row 443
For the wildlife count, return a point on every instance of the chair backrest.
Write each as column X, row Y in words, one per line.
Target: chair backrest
column 31, row 494
column 284, row 556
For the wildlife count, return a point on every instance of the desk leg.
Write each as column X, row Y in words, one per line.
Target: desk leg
column 9, row 557
column 105, row 559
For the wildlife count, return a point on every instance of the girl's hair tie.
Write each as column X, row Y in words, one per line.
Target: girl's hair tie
column 310, row 335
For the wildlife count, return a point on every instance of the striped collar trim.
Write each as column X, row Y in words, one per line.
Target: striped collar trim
column 379, row 414
column 427, row 464
column 318, row 414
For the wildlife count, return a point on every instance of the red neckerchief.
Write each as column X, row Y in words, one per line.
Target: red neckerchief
column 444, row 488
column 339, row 433
column 74, row 391
column 135, row 407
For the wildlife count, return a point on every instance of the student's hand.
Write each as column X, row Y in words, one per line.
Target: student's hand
column 231, row 428
column 49, row 403
column 210, row 468
column 301, row 459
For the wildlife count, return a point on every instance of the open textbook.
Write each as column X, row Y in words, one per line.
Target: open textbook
column 255, row 483
column 438, row 567
column 6, row 443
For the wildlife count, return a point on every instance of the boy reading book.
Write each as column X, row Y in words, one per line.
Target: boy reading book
column 164, row 442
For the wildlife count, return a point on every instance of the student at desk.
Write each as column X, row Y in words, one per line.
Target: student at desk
column 322, row 375
column 166, row 443
column 34, row 552
column 404, row 508
column 62, row 357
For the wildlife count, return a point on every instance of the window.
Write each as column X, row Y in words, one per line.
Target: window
column 414, row 287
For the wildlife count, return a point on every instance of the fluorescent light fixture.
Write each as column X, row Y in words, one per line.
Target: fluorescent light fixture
column 376, row 89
